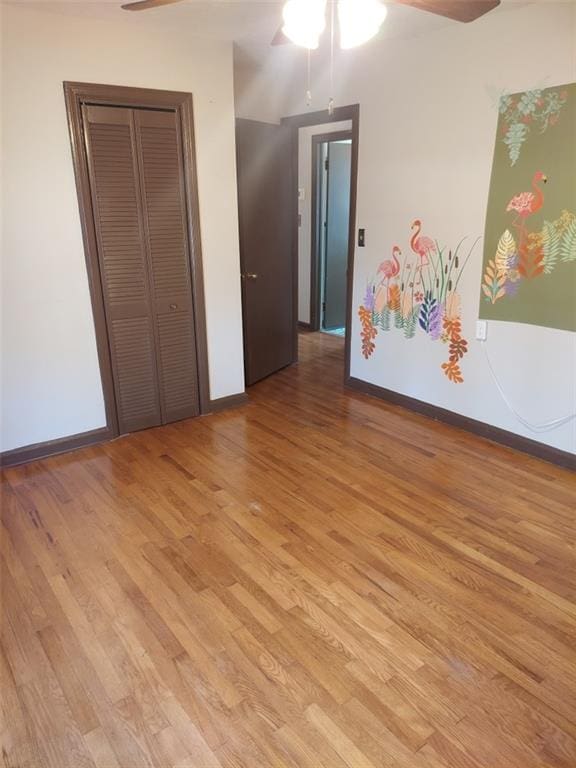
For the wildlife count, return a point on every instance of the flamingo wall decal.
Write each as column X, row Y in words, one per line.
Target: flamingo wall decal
column 423, row 246
column 389, row 269
column 392, row 301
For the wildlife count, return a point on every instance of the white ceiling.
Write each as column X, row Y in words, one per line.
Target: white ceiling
column 251, row 24
column 217, row 19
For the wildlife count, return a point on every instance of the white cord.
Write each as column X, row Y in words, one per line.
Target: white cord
column 545, row 427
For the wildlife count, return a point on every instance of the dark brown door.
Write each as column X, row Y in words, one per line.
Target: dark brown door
column 264, row 163
column 138, row 196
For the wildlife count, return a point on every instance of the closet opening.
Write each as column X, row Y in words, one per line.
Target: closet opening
column 134, row 161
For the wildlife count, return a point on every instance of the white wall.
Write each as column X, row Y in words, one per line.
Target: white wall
column 428, row 112
column 305, row 209
column 427, row 138
column 50, row 377
column 261, row 95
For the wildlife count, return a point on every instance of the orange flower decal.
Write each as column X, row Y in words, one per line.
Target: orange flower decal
column 452, row 370
column 368, row 332
column 453, row 327
column 458, row 348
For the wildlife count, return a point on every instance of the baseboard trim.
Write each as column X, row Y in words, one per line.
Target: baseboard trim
column 304, row 326
column 54, row 447
column 479, row 428
column 225, row 403
column 29, row 453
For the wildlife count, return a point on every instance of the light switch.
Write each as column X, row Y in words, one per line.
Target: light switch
column 481, row 330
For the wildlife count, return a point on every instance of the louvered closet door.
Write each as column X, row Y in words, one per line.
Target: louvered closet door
column 162, row 181
column 136, row 175
column 116, row 199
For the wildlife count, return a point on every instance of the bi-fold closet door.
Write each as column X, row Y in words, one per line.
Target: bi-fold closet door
column 135, row 162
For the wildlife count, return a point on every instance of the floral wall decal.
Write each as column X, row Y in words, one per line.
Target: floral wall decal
column 418, row 293
column 529, row 267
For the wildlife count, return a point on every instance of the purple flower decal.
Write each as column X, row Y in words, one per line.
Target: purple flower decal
column 369, row 298
column 435, row 322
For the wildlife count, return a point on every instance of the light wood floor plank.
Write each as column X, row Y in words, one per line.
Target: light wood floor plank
column 314, row 580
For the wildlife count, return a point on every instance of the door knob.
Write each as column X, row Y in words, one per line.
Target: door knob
column 251, row 276
column 173, row 307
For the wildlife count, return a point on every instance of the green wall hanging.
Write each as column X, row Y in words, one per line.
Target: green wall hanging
column 529, row 267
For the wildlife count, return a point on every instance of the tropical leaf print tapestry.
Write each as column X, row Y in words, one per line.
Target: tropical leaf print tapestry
column 417, row 292
column 529, row 266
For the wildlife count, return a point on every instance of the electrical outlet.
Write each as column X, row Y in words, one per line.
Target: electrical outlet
column 361, row 238
column 481, row 330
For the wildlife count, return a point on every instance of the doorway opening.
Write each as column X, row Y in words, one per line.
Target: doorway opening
column 331, row 191
column 283, row 267
column 324, row 189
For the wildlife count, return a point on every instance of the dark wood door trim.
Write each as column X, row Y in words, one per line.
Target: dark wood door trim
column 295, row 122
column 317, row 140
column 75, row 95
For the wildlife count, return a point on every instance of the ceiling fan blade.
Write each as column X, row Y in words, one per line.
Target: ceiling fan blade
column 144, row 5
column 458, row 10
column 280, row 38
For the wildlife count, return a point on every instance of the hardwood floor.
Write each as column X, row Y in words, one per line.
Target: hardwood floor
column 316, row 579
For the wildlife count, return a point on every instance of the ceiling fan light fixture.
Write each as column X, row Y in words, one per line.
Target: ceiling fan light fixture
column 360, row 20
column 304, row 21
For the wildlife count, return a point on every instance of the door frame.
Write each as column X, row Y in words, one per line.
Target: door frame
column 315, row 261
column 75, row 95
column 295, row 122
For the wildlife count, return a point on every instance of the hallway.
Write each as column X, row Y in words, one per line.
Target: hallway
column 314, row 579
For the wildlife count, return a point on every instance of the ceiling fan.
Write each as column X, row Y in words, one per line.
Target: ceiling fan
column 458, row 10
